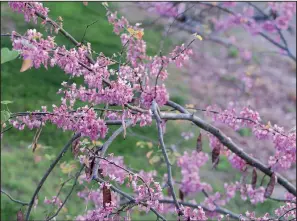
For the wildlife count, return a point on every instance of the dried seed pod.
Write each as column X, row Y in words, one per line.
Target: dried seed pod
column 88, row 170
column 243, row 181
column 20, row 216
column 199, row 143
column 254, row 178
column 181, row 195
column 106, row 195
column 36, row 137
column 75, row 147
column 215, row 157
column 169, row 192
column 270, row 187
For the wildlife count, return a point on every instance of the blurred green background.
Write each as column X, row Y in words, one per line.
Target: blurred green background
column 20, row 171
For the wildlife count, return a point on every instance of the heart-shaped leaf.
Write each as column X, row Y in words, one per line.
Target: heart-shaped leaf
column 6, row 102
column 8, row 55
column 5, row 115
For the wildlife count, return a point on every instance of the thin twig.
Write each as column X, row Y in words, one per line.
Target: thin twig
column 280, row 218
column 47, row 173
column 68, row 195
column 7, row 129
column 168, row 164
column 14, row 200
column 186, row 115
column 218, row 209
column 105, row 146
column 113, row 188
column 282, row 200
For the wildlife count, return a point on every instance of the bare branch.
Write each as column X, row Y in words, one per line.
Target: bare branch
column 47, row 173
column 14, row 200
column 218, row 209
column 168, row 164
column 282, row 200
column 227, row 142
column 106, row 145
column 68, row 195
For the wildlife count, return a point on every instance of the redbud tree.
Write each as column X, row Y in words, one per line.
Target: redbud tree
column 131, row 87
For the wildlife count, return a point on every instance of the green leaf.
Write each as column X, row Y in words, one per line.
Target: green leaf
column 6, row 102
column 50, row 157
column 154, row 159
column 5, row 115
column 245, row 132
column 8, row 55
column 233, row 52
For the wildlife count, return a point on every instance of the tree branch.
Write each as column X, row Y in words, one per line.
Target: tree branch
column 68, row 195
column 106, row 145
column 168, row 164
column 228, row 143
column 14, row 200
column 218, row 209
column 52, row 166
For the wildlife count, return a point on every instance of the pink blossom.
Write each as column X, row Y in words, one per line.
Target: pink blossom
column 193, row 214
column 282, row 22
column 237, row 162
column 190, row 165
column 180, row 55
column 150, row 93
column 29, row 9
column 269, row 26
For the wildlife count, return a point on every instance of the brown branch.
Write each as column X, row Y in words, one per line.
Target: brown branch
column 14, row 200
column 227, row 142
column 168, row 164
column 218, row 209
column 68, row 195
column 105, row 146
column 47, row 173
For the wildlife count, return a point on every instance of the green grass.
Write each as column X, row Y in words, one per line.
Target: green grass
column 35, row 88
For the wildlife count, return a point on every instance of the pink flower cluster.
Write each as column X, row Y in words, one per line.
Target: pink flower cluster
column 29, row 9
column 289, row 209
column 237, row 162
column 99, row 214
column 284, row 10
column 55, row 201
column 190, row 164
column 285, row 143
column 149, row 195
column 118, row 24
column 149, row 192
column 159, row 93
column 84, row 120
column 164, row 8
column 180, row 55
column 32, row 46
column 193, row 214
column 287, row 212
column 114, row 173
column 246, row 118
column 211, row 201
column 96, row 197
column 252, row 216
